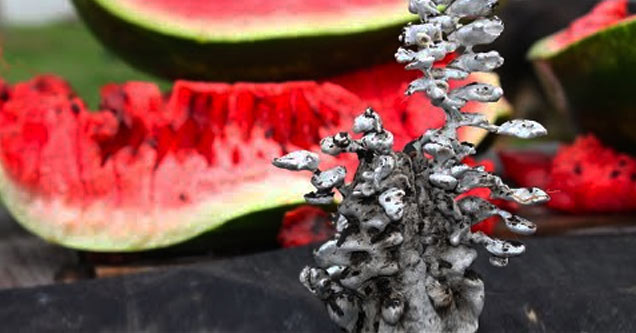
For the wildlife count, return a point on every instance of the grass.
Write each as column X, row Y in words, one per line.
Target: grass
column 66, row 49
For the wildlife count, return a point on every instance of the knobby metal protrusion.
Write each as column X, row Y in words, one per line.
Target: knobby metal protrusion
column 400, row 259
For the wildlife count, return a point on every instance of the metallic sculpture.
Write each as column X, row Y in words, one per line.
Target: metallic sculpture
column 400, row 259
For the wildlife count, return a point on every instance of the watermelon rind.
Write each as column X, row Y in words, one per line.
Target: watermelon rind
column 619, row 34
column 109, row 230
column 310, row 50
column 592, row 79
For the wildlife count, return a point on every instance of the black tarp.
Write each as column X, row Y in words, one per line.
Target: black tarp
column 560, row 284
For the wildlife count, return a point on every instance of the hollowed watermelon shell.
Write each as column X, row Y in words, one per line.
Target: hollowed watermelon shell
column 252, row 40
column 152, row 170
column 588, row 70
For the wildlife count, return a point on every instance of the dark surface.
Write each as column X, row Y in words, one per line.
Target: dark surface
column 26, row 260
column 561, row 284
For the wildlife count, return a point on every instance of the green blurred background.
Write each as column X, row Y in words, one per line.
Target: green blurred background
column 67, row 49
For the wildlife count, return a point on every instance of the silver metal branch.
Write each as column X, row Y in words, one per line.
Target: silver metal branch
column 400, row 260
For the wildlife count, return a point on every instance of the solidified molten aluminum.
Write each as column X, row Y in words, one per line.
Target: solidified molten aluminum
column 401, row 256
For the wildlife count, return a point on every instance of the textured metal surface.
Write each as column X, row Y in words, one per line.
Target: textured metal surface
column 400, row 261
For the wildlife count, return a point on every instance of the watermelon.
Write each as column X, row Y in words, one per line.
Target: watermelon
column 305, row 225
column 584, row 177
column 247, row 40
column 590, row 66
column 149, row 170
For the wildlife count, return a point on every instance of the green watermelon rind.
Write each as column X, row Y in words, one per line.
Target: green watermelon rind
column 544, row 50
column 190, row 221
column 592, row 75
column 175, row 54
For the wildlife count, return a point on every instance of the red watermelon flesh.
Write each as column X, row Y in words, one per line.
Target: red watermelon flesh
column 150, row 170
column 138, row 128
column 585, row 177
column 305, row 225
column 529, row 168
column 252, row 20
column 605, row 14
column 196, row 9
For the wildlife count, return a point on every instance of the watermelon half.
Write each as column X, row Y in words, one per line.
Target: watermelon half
column 247, row 40
column 589, row 68
column 150, row 170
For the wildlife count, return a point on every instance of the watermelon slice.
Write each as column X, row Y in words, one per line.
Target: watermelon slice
column 248, row 40
column 151, row 170
column 606, row 14
column 584, row 177
column 590, row 66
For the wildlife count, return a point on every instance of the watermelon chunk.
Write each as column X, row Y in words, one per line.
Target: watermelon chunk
column 584, row 177
column 146, row 172
column 150, row 170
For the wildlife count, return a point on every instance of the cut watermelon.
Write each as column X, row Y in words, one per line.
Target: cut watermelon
column 585, row 177
column 606, row 14
column 145, row 173
column 248, row 40
column 150, row 171
column 590, row 67
column 305, row 225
